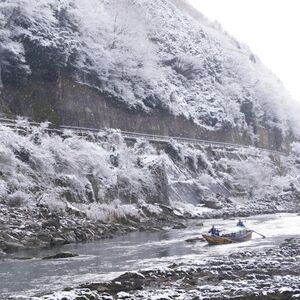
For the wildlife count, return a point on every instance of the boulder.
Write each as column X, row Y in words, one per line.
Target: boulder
column 213, row 203
column 61, row 255
column 53, row 222
column 131, row 276
column 128, row 281
column 58, row 241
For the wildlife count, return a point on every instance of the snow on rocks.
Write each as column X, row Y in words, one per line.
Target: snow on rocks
column 251, row 275
column 64, row 189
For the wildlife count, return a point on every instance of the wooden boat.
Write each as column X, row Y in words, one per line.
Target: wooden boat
column 235, row 237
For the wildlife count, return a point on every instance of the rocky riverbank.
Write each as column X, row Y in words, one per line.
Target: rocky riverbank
column 25, row 228
column 269, row 273
column 60, row 189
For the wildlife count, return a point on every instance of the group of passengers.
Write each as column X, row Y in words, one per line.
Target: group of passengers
column 216, row 232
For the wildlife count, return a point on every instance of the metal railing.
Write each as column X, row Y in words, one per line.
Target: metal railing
column 137, row 135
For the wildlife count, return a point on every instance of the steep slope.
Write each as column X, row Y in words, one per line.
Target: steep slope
column 143, row 57
column 151, row 66
column 58, row 189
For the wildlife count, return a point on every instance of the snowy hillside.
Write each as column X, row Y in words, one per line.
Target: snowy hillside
column 63, row 188
column 147, row 54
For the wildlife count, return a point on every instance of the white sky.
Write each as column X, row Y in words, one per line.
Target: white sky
column 271, row 28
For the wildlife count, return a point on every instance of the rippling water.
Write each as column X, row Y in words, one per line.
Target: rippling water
column 107, row 258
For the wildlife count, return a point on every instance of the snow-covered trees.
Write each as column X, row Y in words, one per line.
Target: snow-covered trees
column 148, row 54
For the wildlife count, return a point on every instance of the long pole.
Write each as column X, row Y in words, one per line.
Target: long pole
column 263, row 236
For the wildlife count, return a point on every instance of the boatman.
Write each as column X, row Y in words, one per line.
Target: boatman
column 214, row 231
column 240, row 223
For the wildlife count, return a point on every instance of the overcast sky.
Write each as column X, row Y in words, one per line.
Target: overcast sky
column 270, row 27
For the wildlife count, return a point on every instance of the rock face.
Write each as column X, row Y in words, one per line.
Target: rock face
column 171, row 72
column 99, row 111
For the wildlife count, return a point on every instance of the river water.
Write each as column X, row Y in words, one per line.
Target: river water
column 106, row 259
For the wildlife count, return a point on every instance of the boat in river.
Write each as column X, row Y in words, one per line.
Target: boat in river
column 241, row 235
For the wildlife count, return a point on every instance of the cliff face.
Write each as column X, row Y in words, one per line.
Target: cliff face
column 63, row 104
column 167, row 72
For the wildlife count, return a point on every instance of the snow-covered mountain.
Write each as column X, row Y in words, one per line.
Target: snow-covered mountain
column 152, row 66
column 149, row 55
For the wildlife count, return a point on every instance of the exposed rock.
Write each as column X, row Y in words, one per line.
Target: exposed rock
column 45, row 235
column 61, row 255
column 55, row 222
column 2, row 253
column 195, row 239
column 10, row 247
column 57, row 241
column 179, row 226
column 213, row 203
column 130, row 276
column 75, row 211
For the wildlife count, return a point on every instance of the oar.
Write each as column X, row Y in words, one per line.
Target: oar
column 263, row 236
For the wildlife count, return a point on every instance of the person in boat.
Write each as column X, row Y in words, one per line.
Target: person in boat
column 214, row 231
column 240, row 223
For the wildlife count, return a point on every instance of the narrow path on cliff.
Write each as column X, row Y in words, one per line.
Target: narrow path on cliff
column 135, row 135
column 139, row 250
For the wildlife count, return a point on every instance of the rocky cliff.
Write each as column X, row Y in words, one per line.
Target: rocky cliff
column 151, row 66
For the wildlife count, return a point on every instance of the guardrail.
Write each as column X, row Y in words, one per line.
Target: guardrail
column 164, row 138
column 136, row 135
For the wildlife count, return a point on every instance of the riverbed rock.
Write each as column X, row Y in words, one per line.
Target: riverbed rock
column 246, row 275
column 61, row 255
column 195, row 239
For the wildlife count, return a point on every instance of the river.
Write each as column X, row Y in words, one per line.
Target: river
column 106, row 259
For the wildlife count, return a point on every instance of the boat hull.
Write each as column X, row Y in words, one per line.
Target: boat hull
column 228, row 239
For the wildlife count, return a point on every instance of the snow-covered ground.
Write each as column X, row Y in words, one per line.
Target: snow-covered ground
column 57, row 189
column 107, row 180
